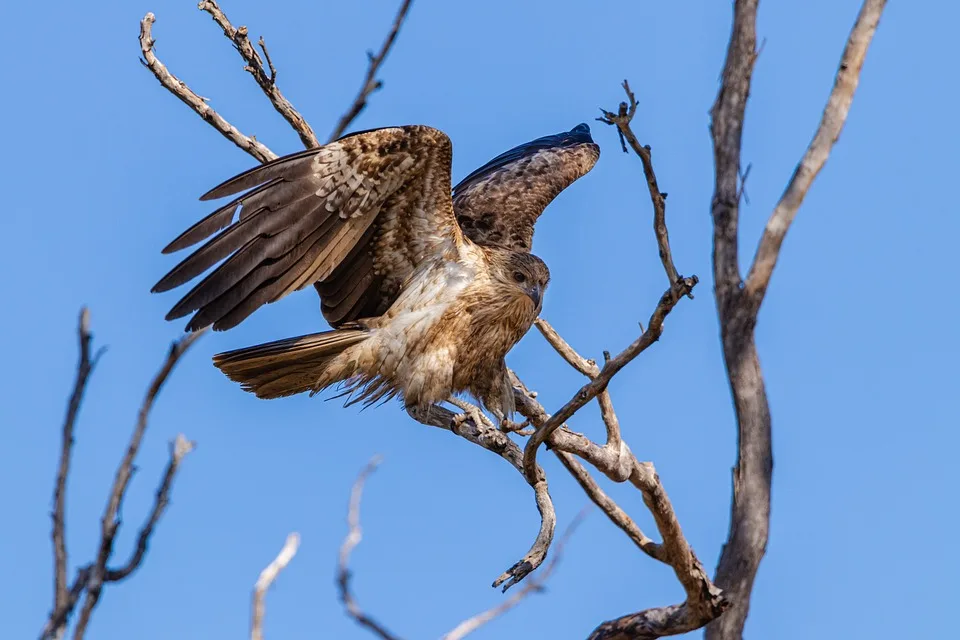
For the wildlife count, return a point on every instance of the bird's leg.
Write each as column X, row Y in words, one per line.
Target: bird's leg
column 470, row 412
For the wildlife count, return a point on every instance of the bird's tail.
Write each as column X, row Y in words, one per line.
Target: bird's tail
column 291, row 366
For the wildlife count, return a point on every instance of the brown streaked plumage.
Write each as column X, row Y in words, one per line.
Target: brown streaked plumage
column 422, row 307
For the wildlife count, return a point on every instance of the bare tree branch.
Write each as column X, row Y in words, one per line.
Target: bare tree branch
column 110, row 522
column 266, row 81
column 492, row 439
column 178, row 88
column 590, row 390
column 370, row 82
column 85, row 367
column 179, row 449
column 354, row 535
column 679, row 286
column 89, row 580
column 831, row 124
column 622, row 120
column 265, row 581
column 612, row 510
column 726, row 126
column 705, row 602
column 738, row 308
column 534, row 585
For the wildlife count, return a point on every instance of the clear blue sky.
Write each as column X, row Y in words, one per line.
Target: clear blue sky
column 858, row 335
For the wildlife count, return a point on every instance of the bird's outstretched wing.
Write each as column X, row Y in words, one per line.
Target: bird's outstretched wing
column 355, row 216
column 500, row 202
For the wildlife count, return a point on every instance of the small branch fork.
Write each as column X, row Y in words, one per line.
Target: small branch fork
column 90, row 579
column 263, row 71
column 738, row 303
column 267, row 81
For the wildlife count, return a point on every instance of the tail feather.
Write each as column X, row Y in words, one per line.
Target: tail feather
column 290, row 366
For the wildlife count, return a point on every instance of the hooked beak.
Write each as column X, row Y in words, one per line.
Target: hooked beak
column 536, row 294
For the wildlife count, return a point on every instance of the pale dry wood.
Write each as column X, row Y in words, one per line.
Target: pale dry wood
column 199, row 105
column 609, row 507
column 487, row 436
column 622, row 120
column 610, row 368
column 705, row 601
column 738, row 307
column 266, row 580
column 267, row 81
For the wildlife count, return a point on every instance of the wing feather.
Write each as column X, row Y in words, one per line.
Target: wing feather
column 500, row 202
column 318, row 216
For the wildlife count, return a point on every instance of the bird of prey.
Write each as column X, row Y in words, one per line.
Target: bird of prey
column 426, row 287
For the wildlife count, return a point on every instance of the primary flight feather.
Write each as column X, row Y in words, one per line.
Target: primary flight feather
column 427, row 287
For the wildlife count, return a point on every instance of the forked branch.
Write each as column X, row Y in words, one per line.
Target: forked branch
column 738, row 307
column 831, row 124
column 267, row 81
column 90, row 579
column 186, row 95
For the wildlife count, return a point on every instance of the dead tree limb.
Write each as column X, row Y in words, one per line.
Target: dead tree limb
column 85, row 365
column 177, row 87
column 738, row 306
column 267, row 81
column 476, row 428
column 90, row 579
column 266, row 580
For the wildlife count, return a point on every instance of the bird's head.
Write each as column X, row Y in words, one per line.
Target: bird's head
column 524, row 274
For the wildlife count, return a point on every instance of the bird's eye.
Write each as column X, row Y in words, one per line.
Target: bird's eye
column 519, row 277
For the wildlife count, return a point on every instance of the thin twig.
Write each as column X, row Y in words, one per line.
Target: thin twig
column 589, row 391
column 110, row 522
column 64, row 599
column 178, row 88
column 265, row 581
column 57, row 622
column 354, row 535
column 610, row 508
column 254, row 65
column 498, row 442
column 84, row 369
column 179, row 449
column 622, row 120
column 815, row 157
column 370, row 82
column 587, row 367
column 534, row 585
column 590, row 369
column 705, row 602
column 266, row 54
